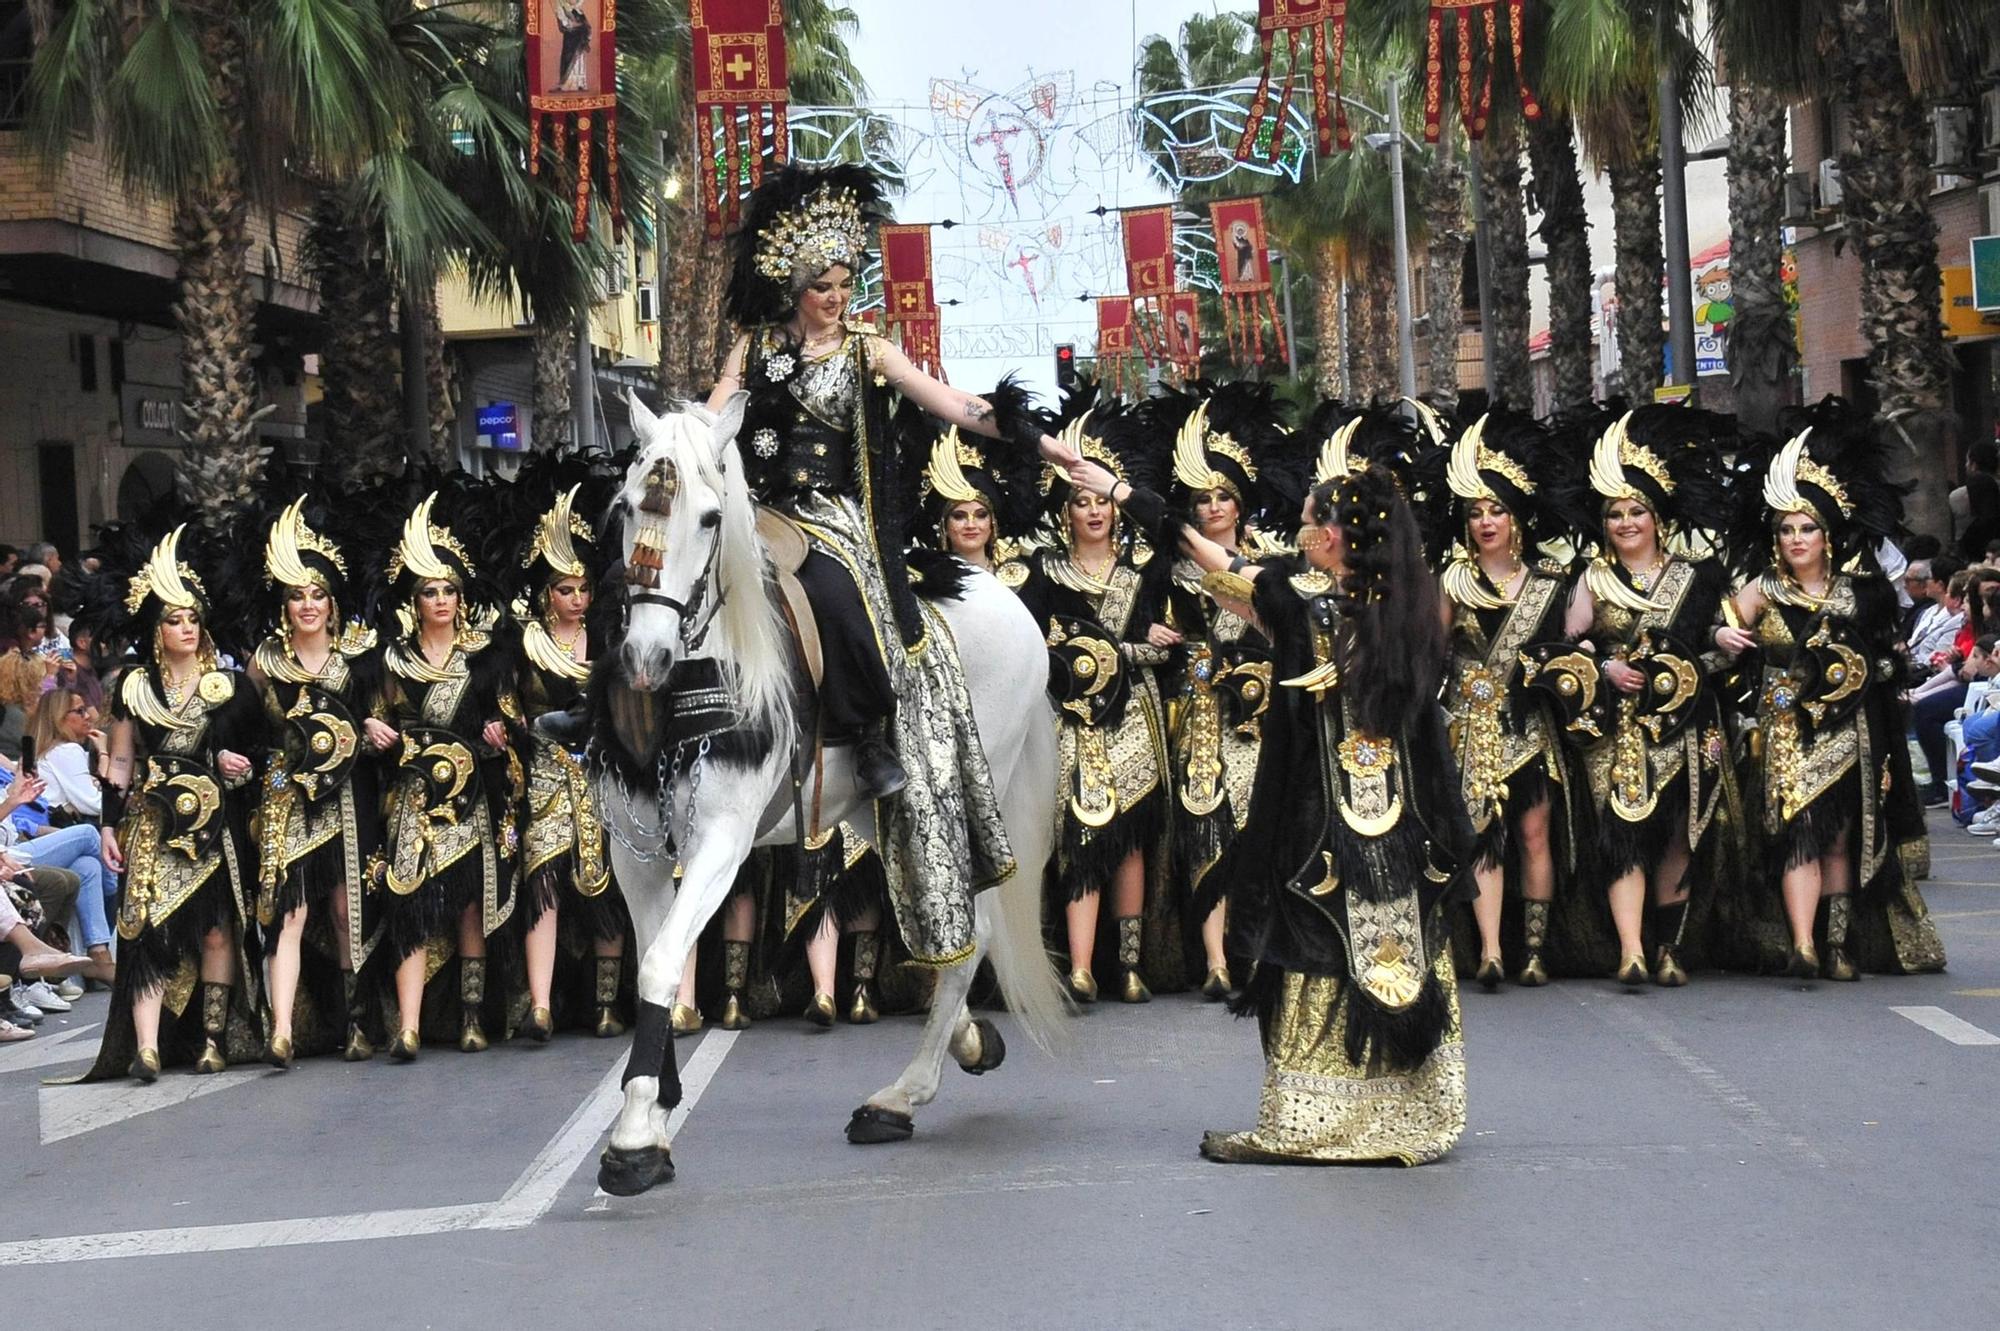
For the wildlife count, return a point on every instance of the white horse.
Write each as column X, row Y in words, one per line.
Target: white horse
column 713, row 617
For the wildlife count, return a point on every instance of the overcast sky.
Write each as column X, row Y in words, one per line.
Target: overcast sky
column 1022, row 257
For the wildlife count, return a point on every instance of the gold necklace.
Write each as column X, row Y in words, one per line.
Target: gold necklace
column 569, row 646
column 1643, row 579
column 174, row 690
column 1110, row 563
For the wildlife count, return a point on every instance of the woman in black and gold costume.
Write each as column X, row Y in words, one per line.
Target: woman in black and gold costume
column 321, row 815
column 564, row 861
column 175, row 815
column 1225, row 684
column 1498, row 600
column 451, row 835
column 1832, row 771
column 1357, row 840
column 1100, row 599
column 1660, row 774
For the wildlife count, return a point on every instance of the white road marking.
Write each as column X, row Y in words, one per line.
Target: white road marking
column 69, row 1111
column 695, row 1078
column 526, row 1201
column 45, row 1049
column 1939, row 1022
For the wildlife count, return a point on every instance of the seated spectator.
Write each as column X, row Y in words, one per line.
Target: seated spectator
column 67, row 742
column 26, row 962
column 79, row 850
column 1937, row 628
column 84, row 677
column 1916, row 589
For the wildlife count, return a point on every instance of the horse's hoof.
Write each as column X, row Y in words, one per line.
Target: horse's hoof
column 992, row 1049
column 629, row 1173
column 872, row 1125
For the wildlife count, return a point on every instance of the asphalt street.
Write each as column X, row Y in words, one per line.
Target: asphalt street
column 1741, row 1153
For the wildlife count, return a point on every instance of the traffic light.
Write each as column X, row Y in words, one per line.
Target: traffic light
column 1065, row 365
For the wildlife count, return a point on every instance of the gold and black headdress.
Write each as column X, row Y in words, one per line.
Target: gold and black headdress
column 297, row 556
column 562, row 543
column 800, row 222
column 1830, row 469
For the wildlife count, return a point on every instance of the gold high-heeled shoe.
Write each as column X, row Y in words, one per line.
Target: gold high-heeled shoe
column 862, row 1011
column 1667, row 972
column 608, row 1025
column 1083, row 985
column 212, row 1059
column 1804, row 963
column 146, row 1065
column 1534, row 974
column 685, row 1019
column 1837, row 966
column 359, row 1049
column 820, row 1011
column 472, row 1036
column 1133, row 989
column 1490, row 973
column 734, row 1018
column 1632, row 970
column 1216, row 987
column 403, row 1049
column 279, row 1055
column 540, row 1025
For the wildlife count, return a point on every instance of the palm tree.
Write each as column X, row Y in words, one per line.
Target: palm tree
column 1444, row 207
column 208, row 104
column 1882, row 57
column 1565, row 231
column 1507, row 230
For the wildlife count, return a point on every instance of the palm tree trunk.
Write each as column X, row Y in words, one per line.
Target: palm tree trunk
column 1444, row 264
column 1329, row 347
column 1382, row 329
column 362, row 363
column 1641, row 264
column 1762, row 340
column 1507, row 224
column 710, row 340
column 555, row 366
column 216, row 314
column 1363, row 374
column 678, row 269
column 1886, row 178
column 1565, row 231
column 441, row 370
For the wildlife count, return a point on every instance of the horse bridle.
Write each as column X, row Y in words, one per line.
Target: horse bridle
column 648, row 556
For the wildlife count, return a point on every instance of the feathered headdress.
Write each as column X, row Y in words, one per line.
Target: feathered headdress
column 297, row 556
column 1229, row 437
column 1665, row 458
column 561, row 542
column 800, row 222
column 998, row 473
column 1830, row 469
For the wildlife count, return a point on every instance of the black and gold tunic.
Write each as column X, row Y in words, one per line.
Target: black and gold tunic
column 1112, row 754
column 1215, row 721
column 452, row 830
column 563, row 856
column 320, row 819
column 1506, row 740
column 1661, row 772
column 188, row 863
column 1832, row 766
column 1357, row 843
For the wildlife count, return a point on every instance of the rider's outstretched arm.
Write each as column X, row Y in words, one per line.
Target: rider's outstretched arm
column 955, row 406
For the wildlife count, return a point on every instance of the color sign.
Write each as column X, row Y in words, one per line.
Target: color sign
column 1962, row 313
column 1986, row 273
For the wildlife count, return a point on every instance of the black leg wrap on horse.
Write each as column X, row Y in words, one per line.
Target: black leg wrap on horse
column 653, row 1052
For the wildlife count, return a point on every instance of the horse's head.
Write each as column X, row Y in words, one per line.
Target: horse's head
column 677, row 504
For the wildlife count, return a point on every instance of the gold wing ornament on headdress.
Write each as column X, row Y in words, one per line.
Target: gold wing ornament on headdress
column 1792, row 465
column 1428, row 418
column 552, row 537
column 1194, row 442
column 416, row 553
column 945, row 472
column 290, row 537
column 1616, row 451
column 1334, row 462
column 164, row 576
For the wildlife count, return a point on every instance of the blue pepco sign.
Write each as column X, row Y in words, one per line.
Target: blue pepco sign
column 499, row 423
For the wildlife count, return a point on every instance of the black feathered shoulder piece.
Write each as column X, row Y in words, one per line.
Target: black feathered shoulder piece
column 800, row 222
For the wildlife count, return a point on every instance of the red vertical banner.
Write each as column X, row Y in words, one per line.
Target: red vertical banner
column 572, row 49
column 1115, row 344
column 1181, row 331
column 910, row 293
column 1149, row 271
column 1305, row 23
column 1475, row 106
column 740, row 73
column 1243, row 262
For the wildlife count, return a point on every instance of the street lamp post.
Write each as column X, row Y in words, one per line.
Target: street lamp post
column 1406, row 342
column 1680, row 281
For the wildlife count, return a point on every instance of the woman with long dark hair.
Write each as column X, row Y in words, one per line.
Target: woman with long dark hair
column 1357, row 840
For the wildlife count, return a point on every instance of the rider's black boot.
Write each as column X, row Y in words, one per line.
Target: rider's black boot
column 876, row 769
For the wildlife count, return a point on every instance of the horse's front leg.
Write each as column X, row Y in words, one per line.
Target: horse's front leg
column 637, row 1157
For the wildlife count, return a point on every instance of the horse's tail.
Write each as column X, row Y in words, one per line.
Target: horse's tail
column 1027, row 981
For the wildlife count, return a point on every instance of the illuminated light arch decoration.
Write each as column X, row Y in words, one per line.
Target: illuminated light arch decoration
column 572, row 52
column 740, row 73
column 1474, row 112
column 1310, row 19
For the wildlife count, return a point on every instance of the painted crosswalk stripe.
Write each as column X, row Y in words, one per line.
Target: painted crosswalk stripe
column 1939, row 1022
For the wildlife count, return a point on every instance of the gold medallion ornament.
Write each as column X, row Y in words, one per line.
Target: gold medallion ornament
column 1371, row 804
